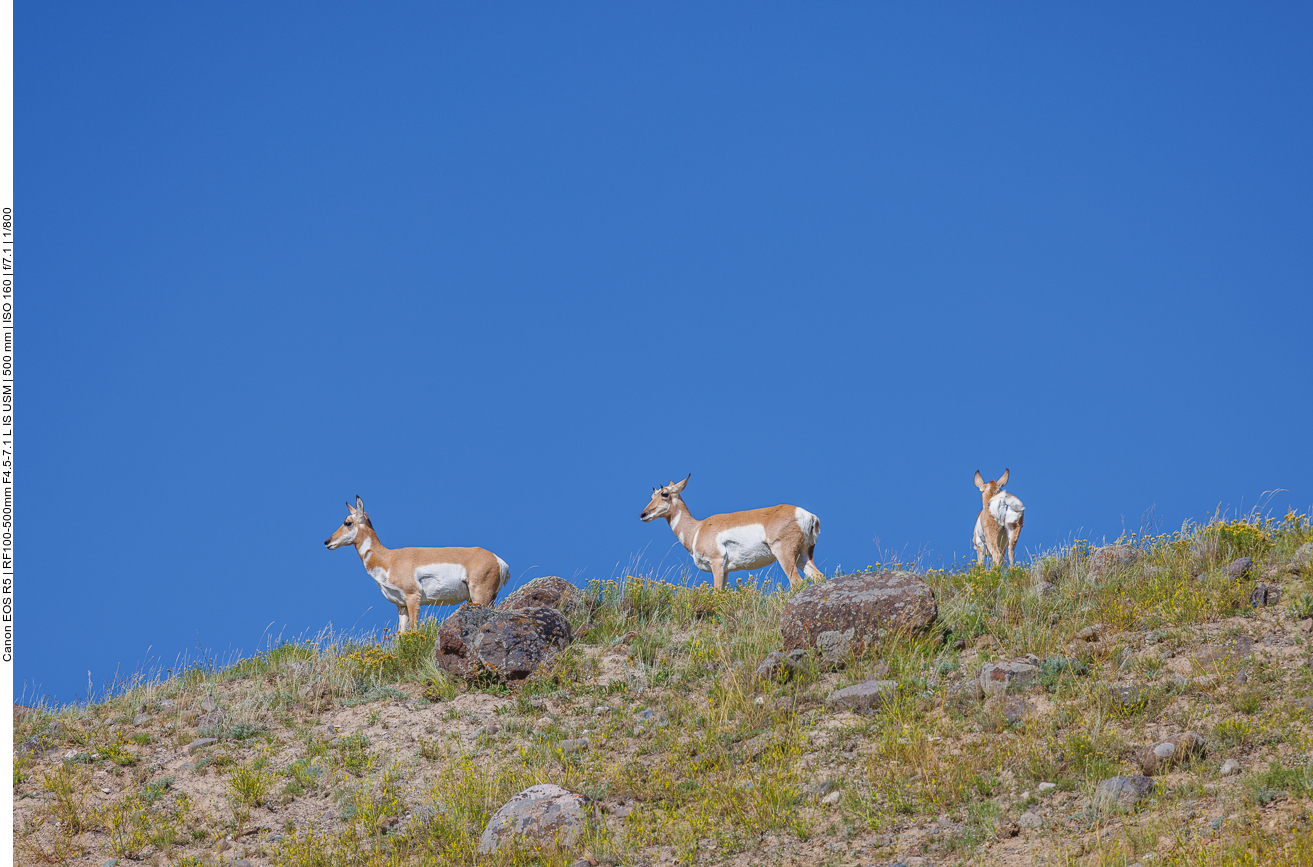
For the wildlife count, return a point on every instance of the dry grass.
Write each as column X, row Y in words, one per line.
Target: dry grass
column 694, row 760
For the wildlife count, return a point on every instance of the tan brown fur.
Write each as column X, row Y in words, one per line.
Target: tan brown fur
column 787, row 541
column 482, row 568
column 997, row 538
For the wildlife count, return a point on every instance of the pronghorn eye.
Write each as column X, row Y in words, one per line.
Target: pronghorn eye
column 348, row 523
column 664, row 495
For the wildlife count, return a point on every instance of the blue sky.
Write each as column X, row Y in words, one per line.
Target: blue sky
column 499, row 269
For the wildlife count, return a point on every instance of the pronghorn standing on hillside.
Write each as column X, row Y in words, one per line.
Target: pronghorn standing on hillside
column 740, row 540
column 999, row 522
column 411, row 577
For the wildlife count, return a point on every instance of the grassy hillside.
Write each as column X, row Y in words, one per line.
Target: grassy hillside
column 364, row 753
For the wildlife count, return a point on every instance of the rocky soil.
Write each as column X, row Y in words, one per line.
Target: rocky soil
column 1142, row 703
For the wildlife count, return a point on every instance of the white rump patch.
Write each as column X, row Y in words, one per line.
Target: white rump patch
column 744, row 547
column 1005, row 508
column 806, row 522
column 442, row 583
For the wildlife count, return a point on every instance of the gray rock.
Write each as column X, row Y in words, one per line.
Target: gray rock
column 1045, row 788
column 998, row 678
column 421, row 816
column 1093, row 632
column 1230, row 767
column 544, row 815
column 200, row 744
column 835, row 648
column 1127, row 696
column 824, row 787
column 141, row 719
column 509, row 645
column 1239, row 568
column 966, row 692
column 1109, row 560
column 208, row 704
column 212, row 721
column 1030, row 819
column 1013, row 707
column 1044, row 589
column 1167, row 754
column 549, row 591
column 864, row 698
column 1121, row 793
column 1264, row 594
column 574, row 745
column 860, row 609
column 1303, row 559
column 781, row 667
column 601, row 710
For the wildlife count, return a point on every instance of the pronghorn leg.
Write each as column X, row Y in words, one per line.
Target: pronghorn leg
column 809, row 566
column 788, row 561
column 402, row 619
column 996, row 548
column 1012, row 546
column 718, row 574
column 412, row 609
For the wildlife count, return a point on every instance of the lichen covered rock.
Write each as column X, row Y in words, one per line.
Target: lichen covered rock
column 853, row 613
column 477, row 642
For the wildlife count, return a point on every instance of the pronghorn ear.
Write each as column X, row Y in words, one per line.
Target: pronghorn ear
column 1003, row 479
column 360, row 504
column 980, row 482
column 676, row 487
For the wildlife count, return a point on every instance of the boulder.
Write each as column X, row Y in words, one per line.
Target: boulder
column 1263, row 595
column 1303, row 559
column 864, row 698
column 781, row 667
column 1240, row 568
column 212, row 721
column 1121, row 793
column 477, row 642
column 853, row 613
column 998, row 678
column 549, row 591
column 543, row 816
column 1169, row 753
column 1108, row 560
column 200, row 744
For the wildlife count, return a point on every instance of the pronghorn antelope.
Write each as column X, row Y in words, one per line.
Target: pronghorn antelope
column 411, row 577
column 740, row 540
column 999, row 522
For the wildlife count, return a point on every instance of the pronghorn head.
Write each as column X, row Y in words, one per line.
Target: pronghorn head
column 662, row 499
column 989, row 489
column 346, row 534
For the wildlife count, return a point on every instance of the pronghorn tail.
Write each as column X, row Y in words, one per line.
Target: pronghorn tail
column 505, row 573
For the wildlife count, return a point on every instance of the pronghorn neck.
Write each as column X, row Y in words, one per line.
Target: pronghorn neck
column 683, row 523
column 371, row 551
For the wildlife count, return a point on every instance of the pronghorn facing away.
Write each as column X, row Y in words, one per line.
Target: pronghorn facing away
column 411, row 577
column 740, row 540
column 999, row 522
